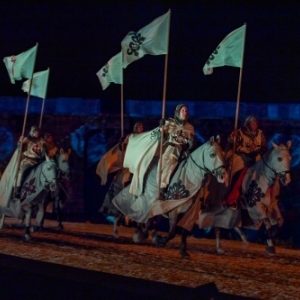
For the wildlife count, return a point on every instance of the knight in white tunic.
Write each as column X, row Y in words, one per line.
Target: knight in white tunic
column 32, row 151
column 178, row 137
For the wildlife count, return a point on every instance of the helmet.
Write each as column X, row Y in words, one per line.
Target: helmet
column 136, row 125
column 177, row 114
column 33, row 129
column 250, row 119
column 46, row 135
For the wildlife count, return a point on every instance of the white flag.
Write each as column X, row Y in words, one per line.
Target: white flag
column 228, row 53
column 152, row 39
column 111, row 72
column 22, row 65
column 39, row 84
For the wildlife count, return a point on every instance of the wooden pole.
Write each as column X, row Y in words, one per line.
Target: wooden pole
column 163, row 112
column 24, row 122
column 237, row 108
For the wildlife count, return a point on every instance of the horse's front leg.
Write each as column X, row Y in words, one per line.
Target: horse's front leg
column 162, row 240
column 242, row 235
column 183, row 244
column 27, row 210
column 58, row 207
column 141, row 234
column 218, row 240
column 2, row 217
column 40, row 216
column 271, row 231
column 115, row 231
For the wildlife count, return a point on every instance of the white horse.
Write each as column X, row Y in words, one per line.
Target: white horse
column 182, row 192
column 261, row 191
column 60, row 195
column 40, row 180
column 259, row 195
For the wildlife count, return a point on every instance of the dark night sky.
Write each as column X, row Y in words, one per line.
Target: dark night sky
column 76, row 39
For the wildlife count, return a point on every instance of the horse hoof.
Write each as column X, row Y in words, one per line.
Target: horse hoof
column 137, row 238
column 220, row 251
column 155, row 239
column 270, row 250
column 60, row 226
column 185, row 255
column 245, row 244
column 27, row 238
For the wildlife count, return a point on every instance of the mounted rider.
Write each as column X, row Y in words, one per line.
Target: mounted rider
column 178, row 141
column 32, row 150
column 111, row 162
column 50, row 146
column 249, row 144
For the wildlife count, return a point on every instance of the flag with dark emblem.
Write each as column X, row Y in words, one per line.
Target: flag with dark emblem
column 152, row 39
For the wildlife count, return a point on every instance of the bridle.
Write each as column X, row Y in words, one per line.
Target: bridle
column 281, row 174
column 214, row 172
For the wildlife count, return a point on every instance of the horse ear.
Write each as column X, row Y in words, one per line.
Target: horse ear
column 289, row 144
column 47, row 157
column 61, row 151
column 69, row 151
column 274, row 145
column 211, row 140
column 218, row 139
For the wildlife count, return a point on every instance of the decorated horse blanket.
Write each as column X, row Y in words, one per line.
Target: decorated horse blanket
column 213, row 213
column 8, row 178
column 260, row 196
column 110, row 162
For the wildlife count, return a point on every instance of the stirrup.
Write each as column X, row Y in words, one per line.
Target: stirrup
column 233, row 206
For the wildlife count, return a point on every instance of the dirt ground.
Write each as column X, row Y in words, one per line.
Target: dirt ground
column 247, row 272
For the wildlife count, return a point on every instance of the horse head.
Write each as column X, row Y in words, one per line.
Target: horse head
column 213, row 160
column 49, row 173
column 278, row 159
column 63, row 163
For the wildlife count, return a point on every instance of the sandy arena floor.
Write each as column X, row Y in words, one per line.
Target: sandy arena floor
column 246, row 272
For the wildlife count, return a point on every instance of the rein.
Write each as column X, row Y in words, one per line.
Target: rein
column 46, row 179
column 214, row 171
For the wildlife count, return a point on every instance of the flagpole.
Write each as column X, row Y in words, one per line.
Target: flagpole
column 122, row 120
column 237, row 106
column 163, row 112
column 25, row 119
column 43, row 104
column 28, row 95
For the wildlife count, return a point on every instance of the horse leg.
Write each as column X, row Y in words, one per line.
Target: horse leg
column 270, row 233
column 242, row 236
column 183, row 244
column 58, row 207
column 28, row 211
column 2, row 216
column 270, row 249
column 40, row 217
column 141, row 233
column 218, row 240
column 115, row 231
column 162, row 240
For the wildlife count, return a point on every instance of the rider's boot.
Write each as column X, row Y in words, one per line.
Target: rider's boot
column 17, row 193
column 162, row 193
